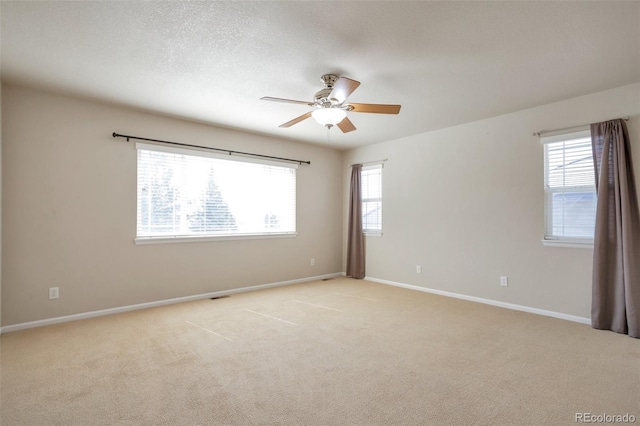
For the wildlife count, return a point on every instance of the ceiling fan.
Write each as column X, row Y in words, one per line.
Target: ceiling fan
column 330, row 106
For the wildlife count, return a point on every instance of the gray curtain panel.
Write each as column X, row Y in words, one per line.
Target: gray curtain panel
column 355, row 242
column 616, row 250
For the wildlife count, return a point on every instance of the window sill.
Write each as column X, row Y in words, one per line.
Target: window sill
column 198, row 239
column 373, row 234
column 568, row 243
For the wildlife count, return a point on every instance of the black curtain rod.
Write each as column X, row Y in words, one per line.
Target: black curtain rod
column 230, row 152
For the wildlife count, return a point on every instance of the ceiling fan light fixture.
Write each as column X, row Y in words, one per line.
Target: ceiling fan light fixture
column 329, row 116
column 330, row 107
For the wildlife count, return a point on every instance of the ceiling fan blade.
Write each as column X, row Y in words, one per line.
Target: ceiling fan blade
column 296, row 120
column 346, row 125
column 343, row 88
column 289, row 101
column 376, row 108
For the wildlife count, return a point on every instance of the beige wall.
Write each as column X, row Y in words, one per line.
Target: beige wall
column 69, row 214
column 1, row 209
column 466, row 203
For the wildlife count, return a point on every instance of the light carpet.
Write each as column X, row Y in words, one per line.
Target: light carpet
column 337, row 352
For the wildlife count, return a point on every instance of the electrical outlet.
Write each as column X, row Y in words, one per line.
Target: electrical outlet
column 418, row 269
column 313, row 262
column 54, row 292
column 504, row 281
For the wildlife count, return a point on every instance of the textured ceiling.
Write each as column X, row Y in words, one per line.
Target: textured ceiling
column 447, row 63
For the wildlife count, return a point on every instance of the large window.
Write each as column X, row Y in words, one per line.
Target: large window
column 371, row 190
column 569, row 183
column 190, row 193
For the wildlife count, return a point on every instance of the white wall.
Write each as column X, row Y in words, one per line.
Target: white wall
column 466, row 203
column 69, row 214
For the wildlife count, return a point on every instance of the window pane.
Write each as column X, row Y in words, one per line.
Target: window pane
column 371, row 215
column 187, row 195
column 371, row 191
column 570, row 163
column 570, row 203
column 573, row 214
column 371, row 181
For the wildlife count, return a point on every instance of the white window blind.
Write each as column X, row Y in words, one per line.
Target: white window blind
column 371, row 191
column 569, row 183
column 191, row 193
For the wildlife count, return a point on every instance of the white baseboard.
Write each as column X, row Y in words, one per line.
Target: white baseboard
column 515, row 307
column 102, row 312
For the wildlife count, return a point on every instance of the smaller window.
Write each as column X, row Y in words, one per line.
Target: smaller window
column 569, row 185
column 371, row 190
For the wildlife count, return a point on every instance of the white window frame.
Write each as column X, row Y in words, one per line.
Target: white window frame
column 378, row 231
column 155, row 239
column 554, row 240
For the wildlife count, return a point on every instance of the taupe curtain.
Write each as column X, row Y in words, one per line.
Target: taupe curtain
column 355, row 242
column 616, row 250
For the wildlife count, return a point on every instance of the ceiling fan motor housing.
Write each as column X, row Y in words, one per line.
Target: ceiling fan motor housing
column 329, row 80
column 322, row 96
